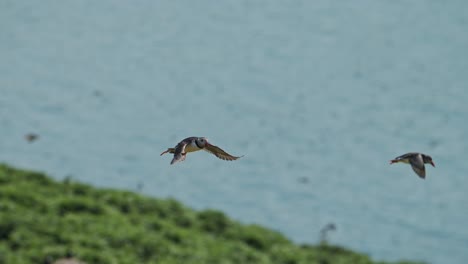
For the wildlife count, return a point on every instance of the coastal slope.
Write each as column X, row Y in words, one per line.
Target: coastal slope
column 42, row 220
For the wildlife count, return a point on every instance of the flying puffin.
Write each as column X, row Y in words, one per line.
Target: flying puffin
column 192, row 144
column 416, row 160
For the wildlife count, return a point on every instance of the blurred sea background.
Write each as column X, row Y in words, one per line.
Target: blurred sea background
column 318, row 96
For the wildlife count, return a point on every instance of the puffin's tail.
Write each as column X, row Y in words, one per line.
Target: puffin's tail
column 169, row 150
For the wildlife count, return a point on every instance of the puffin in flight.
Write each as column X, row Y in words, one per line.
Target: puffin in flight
column 192, row 144
column 416, row 160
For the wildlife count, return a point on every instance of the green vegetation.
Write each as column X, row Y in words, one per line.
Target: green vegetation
column 42, row 220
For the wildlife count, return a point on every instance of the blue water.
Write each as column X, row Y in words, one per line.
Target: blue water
column 318, row 96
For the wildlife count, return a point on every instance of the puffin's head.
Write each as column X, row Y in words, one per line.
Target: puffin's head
column 428, row 159
column 201, row 142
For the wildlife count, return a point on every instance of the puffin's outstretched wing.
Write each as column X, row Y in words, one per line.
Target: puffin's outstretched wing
column 417, row 164
column 179, row 152
column 218, row 152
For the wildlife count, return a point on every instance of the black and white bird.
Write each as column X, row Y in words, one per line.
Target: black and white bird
column 416, row 160
column 192, row 144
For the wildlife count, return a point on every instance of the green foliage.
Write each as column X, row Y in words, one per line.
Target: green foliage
column 43, row 220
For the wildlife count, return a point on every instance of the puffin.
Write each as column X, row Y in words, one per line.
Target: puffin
column 416, row 160
column 192, row 144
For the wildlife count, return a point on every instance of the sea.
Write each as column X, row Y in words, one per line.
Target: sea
column 317, row 95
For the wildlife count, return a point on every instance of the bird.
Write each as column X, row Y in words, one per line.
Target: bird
column 192, row 144
column 416, row 160
column 31, row 137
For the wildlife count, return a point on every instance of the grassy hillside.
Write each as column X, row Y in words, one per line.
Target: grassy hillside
column 42, row 220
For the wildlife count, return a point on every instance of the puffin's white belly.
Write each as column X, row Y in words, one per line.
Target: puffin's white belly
column 191, row 148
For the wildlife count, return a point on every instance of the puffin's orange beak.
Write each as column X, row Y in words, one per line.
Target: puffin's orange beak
column 432, row 163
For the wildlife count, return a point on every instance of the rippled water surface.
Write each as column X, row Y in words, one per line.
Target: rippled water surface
column 318, row 96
